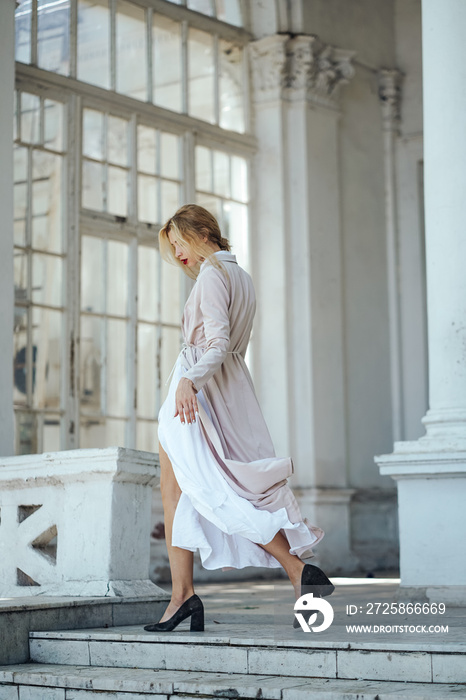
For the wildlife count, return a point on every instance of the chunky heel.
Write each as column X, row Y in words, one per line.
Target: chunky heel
column 192, row 607
column 197, row 621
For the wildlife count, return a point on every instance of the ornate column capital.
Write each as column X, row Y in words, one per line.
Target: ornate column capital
column 300, row 67
column 268, row 63
column 316, row 71
column 390, row 97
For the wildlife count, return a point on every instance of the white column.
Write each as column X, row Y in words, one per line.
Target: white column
column 390, row 94
column 444, row 64
column 431, row 472
column 299, row 344
column 7, row 82
column 268, row 242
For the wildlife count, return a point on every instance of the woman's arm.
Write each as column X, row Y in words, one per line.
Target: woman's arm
column 214, row 306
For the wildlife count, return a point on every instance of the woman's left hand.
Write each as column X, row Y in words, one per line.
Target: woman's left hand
column 186, row 401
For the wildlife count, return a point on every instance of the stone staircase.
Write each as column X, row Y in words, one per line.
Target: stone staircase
column 248, row 649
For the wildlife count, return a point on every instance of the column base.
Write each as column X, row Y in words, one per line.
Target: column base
column 431, row 482
column 450, row 595
column 330, row 509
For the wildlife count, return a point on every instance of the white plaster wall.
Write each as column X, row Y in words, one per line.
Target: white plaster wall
column 362, row 25
column 369, row 423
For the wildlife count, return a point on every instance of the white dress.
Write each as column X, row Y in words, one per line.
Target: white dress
column 229, row 501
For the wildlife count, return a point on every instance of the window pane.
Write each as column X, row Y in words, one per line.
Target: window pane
column 170, row 156
column 94, row 42
column 146, row 436
column 92, row 335
column 131, row 56
column 47, row 338
column 201, row 75
column 93, row 185
column 221, row 174
column 26, row 433
column 116, row 379
column 147, row 150
column 231, row 87
column 47, row 197
column 170, row 199
column 235, row 217
column 147, row 370
column 117, row 191
column 23, row 32
column 229, row 11
column 239, row 179
column 30, row 118
column 171, row 299
column 51, row 434
column 20, row 156
column 117, row 141
column 92, row 432
column 92, row 274
column 93, row 134
column 117, row 278
column 53, row 30
column 19, row 354
column 115, row 433
column 20, row 210
column 204, row 6
column 148, row 199
column 212, row 204
column 166, row 63
column 204, row 169
column 53, row 126
column 20, row 263
column 47, row 275
column 147, row 283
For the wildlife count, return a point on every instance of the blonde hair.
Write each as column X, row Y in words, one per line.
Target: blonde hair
column 190, row 224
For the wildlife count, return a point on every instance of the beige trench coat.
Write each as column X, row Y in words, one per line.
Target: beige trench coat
column 216, row 326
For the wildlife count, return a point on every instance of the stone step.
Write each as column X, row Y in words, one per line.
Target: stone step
column 257, row 651
column 71, row 682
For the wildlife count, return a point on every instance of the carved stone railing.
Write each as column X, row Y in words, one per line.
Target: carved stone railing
column 77, row 523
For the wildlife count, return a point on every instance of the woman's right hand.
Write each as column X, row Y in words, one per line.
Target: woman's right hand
column 186, row 401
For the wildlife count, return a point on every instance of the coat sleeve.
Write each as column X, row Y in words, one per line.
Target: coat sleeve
column 214, row 307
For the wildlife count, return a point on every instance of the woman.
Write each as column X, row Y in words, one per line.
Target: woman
column 224, row 491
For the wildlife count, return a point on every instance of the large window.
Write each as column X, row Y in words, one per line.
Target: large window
column 100, row 163
column 170, row 61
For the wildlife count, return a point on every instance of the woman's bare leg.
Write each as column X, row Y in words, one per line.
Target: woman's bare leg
column 293, row 565
column 181, row 560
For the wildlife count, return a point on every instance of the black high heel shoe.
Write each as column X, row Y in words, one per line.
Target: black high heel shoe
column 321, row 585
column 193, row 606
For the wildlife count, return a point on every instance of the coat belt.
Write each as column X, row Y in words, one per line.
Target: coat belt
column 191, row 345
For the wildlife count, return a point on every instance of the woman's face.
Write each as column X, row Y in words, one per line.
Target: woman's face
column 181, row 252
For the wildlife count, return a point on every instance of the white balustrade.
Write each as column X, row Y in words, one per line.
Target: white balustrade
column 77, row 523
